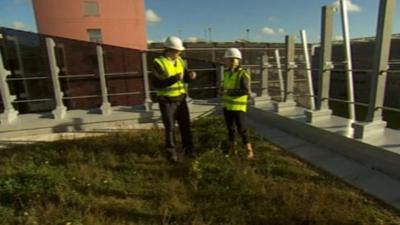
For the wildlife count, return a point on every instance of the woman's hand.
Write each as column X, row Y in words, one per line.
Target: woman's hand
column 221, row 92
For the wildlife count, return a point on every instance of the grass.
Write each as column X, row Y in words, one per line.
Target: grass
column 124, row 179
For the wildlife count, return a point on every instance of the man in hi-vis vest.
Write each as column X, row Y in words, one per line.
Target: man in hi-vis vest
column 235, row 92
column 169, row 78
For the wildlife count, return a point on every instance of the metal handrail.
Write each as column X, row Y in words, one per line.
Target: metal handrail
column 34, row 100
column 77, row 76
column 26, row 78
column 125, row 93
column 122, row 73
column 81, row 97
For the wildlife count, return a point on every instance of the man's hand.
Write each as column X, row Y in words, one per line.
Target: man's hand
column 192, row 75
column 180, row 76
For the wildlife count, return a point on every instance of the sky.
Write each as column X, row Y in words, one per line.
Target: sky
column 229, row 20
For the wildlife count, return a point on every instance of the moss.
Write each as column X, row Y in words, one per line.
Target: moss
column 125, row 179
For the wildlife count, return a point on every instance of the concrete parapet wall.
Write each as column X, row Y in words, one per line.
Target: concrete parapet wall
column 335, row 134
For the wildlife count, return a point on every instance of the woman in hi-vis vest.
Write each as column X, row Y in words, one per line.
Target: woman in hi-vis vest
column 168, row 77
column 235, row 92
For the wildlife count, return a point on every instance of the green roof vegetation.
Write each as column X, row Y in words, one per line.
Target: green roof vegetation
column 123, row 178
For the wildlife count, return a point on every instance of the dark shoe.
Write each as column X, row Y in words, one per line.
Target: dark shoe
column 171, row 155
column 190, row 153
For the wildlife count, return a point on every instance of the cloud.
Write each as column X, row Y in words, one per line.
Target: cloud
column 338, row 38
column 351, row 7
column 281, row 31
column 152, row 17
column 20, row 26
column 268, row 31
column 194, row 39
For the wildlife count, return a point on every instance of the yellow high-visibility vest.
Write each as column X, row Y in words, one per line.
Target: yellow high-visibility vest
column 178, row 88
column 232, row 82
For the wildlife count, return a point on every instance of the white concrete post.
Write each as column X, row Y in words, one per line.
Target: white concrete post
column 288, row 103
column 264, row 99
column 147, row 100
column 105, row 106
column 188, row 98
column 322, row 111
column 220, row 80
column 10, row 114
column 60, row 111
column 374, row 124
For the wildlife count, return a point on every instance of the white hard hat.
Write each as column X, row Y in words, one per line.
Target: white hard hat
column 174, row 43
column 233, row 53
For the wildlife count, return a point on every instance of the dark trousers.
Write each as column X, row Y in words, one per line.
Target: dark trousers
column 238, row 119
column 171, row 111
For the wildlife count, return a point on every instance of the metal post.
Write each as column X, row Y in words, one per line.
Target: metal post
column 374, row 123
column 288, row 101
column 147, row 98
column 60, row 111
column 325, row 66
column 308, row 68
column 10, row 114
column 280, row 75
column 105, row 106
column 349, row 65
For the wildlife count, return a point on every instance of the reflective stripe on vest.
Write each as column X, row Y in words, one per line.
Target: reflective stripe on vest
column 232, row 82
column 178, row 88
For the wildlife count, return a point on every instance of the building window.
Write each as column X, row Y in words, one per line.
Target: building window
column 95, row 35
column 91, row 8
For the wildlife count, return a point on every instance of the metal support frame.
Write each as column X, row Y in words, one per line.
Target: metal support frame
column 147, row 98
column 325, row 66
column 105, row 106
column 348, row 59
column 10, row 114
column 374, row 123
column 60, row 111
column 304, row 41
column 288, row 101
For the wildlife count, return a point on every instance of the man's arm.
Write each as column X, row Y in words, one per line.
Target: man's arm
column 159, row 79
